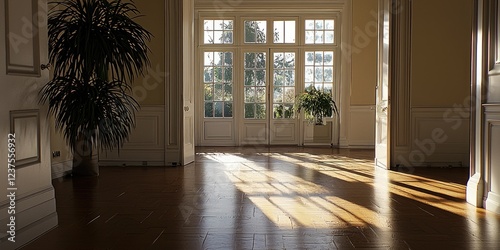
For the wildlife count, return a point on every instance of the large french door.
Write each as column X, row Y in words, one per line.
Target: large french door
column 269, row 78
column 251, row 69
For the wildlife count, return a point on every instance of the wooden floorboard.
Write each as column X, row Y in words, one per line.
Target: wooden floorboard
column 270, row 198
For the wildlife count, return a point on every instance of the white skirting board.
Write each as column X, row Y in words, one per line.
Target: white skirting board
column 35, row 215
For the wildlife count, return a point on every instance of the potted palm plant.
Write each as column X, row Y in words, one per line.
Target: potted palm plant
column 317, row 105
column 96, row 49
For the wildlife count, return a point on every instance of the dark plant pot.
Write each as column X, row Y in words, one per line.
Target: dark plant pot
column 85, row 160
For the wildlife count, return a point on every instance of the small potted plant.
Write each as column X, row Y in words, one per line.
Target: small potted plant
column 317, row 105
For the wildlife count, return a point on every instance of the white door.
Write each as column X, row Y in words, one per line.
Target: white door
column 269, row 90
column 382, row 131
column 188, row 149
column 23, row 47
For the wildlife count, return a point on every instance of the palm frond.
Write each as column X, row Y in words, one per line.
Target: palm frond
column 96, row 48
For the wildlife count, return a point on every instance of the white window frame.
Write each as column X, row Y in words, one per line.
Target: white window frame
column 239, row 45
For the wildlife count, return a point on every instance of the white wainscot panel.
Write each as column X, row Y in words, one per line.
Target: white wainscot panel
column 439, row 137
column 283, row 133
column 492, row 157
column 362, row 126
column 218, row 130
column 146, row 141
column 254, row 133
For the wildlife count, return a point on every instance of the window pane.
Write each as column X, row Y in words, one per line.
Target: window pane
column 249, row 94
column 289, row 31
column 218, row 93
column 228, row 75
column 310, row 24
column 290, row 78
column 329, row 25
column 208, row 25
column 260, row 111
column 278, row 94
column 309, row 74
column 218, row 78
column 228, row 92
column 279, row 32
column 328, row 74
column 278, row 111
column 328, row 58
column 284, row 32
column 309, row 58
column 218, row 31
column 260, row 77
column 249, row 77
column 289, row 95
column 255, row 31
column 318, row 75
column 318, row 24
column 209, row 92
column 249, row 110
column 320, row 31
column 228, row 59
column 309, row 37
column 329, row 37
column 249, row 60
column 208, row 74
column 278, row 77
column 260, row 61
column 318, row 37
column 219, row 106
column 209, row 109
column 228, row 109
column 260, row 94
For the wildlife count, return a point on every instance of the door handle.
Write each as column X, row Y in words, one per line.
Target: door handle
column 186, row 108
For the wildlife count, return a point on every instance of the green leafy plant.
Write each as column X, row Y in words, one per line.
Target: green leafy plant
column 96, row 48
column 316, row 104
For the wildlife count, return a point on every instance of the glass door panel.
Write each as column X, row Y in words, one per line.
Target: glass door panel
column 255, row 98
column 283, row 125
column 255, row 89
column 283, row 84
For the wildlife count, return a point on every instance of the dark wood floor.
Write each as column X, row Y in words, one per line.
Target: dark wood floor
column 270, row 198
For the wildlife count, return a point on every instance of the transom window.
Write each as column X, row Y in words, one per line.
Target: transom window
column 218, row 31
column 320, row 31
column 284, row 32
column 255, row 31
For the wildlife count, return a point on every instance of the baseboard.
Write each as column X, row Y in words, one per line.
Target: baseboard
column 35, row 215
column 131, row 163
column 493, row 203
column 61, row 169
column 475, row 190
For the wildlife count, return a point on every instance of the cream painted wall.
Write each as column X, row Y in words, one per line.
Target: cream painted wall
column 441, row 52
column 150, row 89
column 364, row 52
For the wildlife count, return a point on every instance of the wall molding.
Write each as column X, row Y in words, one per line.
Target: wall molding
column 439, row 137
column 146, row 144
column 25, row 42
column 361, row 132
column 491, row 157
column 402, row 77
